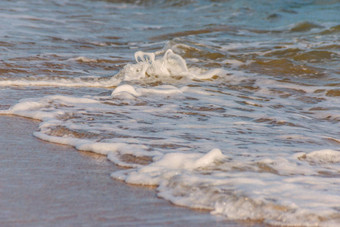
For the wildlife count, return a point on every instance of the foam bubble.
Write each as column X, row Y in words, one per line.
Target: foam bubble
column 126, row 88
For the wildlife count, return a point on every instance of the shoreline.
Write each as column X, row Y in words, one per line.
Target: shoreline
column 43, row 184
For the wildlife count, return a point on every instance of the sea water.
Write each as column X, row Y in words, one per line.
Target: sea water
column 228, row 106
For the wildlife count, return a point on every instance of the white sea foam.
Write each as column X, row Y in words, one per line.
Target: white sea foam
column 326, row 156
column 236, row 195
column 169, row 166
column 159, row 90
column 83, row 59
column 67, row 82
column 167, row 132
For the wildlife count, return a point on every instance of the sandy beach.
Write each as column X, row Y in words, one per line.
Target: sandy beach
column 44, row 184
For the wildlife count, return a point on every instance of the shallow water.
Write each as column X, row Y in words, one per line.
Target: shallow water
column 230, row 106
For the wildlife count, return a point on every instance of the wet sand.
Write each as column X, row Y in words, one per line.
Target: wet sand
column 45, row 184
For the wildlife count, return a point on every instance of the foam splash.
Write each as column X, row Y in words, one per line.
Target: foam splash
column 169, row 66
